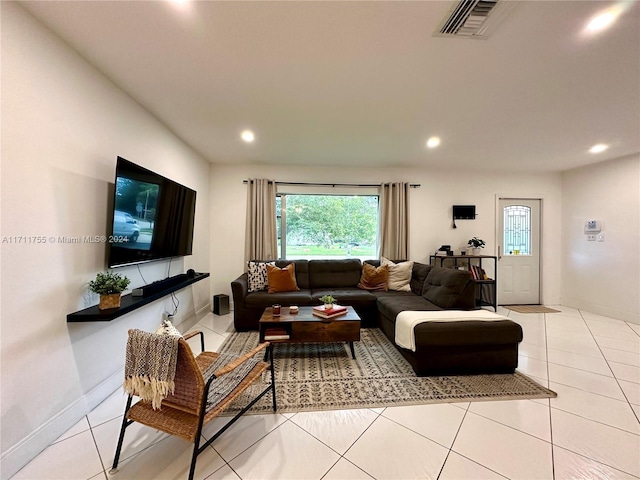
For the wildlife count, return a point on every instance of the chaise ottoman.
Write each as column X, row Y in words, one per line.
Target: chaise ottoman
column 456, row 342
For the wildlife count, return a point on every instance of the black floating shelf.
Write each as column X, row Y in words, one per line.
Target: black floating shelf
column 129, row 303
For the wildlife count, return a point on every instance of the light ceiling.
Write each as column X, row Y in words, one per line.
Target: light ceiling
column 367, row 83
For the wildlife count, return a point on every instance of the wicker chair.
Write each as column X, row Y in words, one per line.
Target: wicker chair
column 185, row 412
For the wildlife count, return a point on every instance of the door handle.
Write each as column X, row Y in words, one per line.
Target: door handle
column 499, row 254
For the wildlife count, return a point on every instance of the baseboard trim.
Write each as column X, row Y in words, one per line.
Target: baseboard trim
column 29, row 447
column 604, row 311
column 203, row 311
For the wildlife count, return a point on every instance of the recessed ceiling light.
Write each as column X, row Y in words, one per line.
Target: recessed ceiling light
column 248, row 136
column 433, row 142
column 598, row 148
column 602, row 20
column 184, row 5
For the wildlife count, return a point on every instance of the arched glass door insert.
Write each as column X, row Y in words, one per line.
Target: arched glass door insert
column 517, row 230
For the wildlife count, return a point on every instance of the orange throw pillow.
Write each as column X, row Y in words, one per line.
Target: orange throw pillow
column 282, row 279
column 374, row 278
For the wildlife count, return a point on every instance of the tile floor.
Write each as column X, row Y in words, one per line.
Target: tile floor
column 591, row 431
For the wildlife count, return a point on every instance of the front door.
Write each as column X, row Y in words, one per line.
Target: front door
column 519, row 252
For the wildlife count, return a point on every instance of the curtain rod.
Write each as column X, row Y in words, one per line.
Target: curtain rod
column 413, row 185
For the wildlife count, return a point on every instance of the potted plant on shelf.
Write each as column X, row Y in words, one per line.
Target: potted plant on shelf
column 476, row 244
column 328, row 301
column 109, row 286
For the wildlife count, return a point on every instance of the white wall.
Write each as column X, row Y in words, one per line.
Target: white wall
column 603, row 277
column 431, row 224
column 63, row 124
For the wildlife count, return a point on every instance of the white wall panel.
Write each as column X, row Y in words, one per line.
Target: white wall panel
column 63, row 125
column 603, row 277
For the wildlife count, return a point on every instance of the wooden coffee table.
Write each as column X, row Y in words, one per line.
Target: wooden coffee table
column 305, row 327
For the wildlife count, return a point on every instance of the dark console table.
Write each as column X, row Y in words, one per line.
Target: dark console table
column 129, row 303
column 486, row 289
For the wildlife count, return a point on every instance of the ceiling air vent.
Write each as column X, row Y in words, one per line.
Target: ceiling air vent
column 473, row 18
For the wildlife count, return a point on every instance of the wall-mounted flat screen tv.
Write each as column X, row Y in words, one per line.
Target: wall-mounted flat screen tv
column 152, row 217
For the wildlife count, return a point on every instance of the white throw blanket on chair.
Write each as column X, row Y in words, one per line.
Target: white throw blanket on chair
column 407, row 320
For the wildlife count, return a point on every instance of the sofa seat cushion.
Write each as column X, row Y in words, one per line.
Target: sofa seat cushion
column 264, row 299
column 444, row 286
column 391, row 293
column 354, row 297
column 473, row 332
column 390, row 306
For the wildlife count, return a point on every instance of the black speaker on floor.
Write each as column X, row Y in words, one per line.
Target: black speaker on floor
column 221, row 304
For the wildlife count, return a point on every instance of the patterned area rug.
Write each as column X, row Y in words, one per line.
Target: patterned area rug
column 531, row 309
column 323, row 376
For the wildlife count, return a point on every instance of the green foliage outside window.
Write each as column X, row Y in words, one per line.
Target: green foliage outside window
column 330, row 225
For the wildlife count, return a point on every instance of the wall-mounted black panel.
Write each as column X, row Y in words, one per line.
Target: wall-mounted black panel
column 464, row 212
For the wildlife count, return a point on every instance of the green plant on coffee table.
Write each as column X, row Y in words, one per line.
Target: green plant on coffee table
column 327, row 300
column 108, row 283
column 476, row 242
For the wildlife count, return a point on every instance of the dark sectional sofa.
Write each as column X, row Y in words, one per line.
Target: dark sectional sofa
column 442, row 348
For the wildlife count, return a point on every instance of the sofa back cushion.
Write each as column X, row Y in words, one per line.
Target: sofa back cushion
column 418, row 276
column 444, row 286
column 302, row 271
column 334, row 273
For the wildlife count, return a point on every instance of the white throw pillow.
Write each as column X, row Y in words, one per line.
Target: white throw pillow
column 257, row 273
column 399, row 275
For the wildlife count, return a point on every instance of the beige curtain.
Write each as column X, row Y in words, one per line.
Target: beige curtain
column 394, row 220
column 260, row 237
